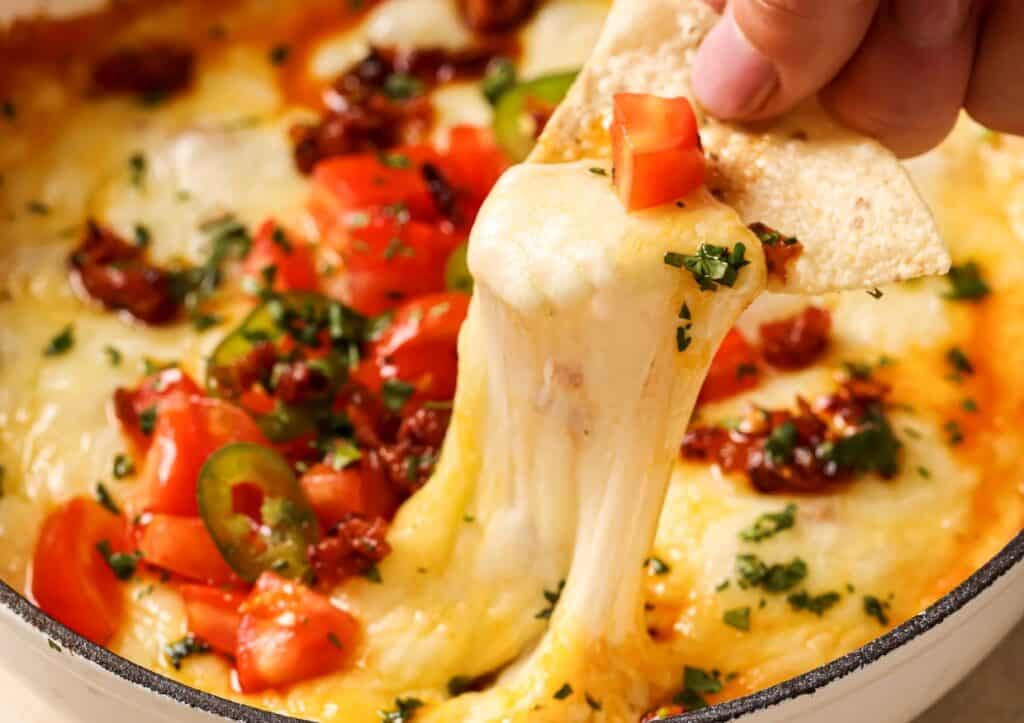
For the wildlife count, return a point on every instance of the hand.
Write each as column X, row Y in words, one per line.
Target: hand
column 898, row 70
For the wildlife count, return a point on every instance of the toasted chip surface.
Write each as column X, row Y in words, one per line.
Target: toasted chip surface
column 849, row 200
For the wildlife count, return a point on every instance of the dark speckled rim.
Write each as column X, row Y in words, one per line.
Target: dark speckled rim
column 805, row 684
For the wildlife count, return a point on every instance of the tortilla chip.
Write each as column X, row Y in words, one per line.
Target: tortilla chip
column 848, row 200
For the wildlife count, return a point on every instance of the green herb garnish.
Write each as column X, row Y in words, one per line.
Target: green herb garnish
column 817, row 604
column 770, row 524
column 395, row 393
column 61, row 343
column 500, row 77
column 738, row 618
column 751, row 571
column 876, row 608
column 181, row 649
column 657, row 566
column 712, row 265
column 564, row 692
column 966, row 283
column 552, row 597
column 104, row 497
column 122, row 563
column 405, row 709
column 279, row 54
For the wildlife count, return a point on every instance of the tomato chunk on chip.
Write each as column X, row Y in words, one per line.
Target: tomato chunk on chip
column 656, row 149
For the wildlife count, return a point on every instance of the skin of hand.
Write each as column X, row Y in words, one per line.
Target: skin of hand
column 897, row 70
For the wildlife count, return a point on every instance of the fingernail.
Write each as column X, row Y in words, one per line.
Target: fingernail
column 730, row 77
column 932, row 23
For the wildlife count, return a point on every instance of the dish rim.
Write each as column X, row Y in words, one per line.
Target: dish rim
column 805, row 684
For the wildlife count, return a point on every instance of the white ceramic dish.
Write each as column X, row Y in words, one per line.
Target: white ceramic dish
column 890, row 680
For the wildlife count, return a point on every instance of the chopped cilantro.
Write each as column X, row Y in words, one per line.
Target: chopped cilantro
column 405, row 709
column 712, row 265
column 753, row 572
column 770, row 524
column 875, row 293
column 181, row 649
column 746, row 370
column 959, row 362
column 858, row 370
column 104, row 497
column 769, row 236
column 552, row 597
column 500, row 77
column 969, row 405
column 147, row 420
column 966, row 283
column 683, row 338
column 279, row 54
column 343, row 454
column 598, row 171
column 924, row 472
column 62, row 342
column 459, row 684
column 738, row 618
column 394, row 160
column 684, row 312
column 564, row 692
column 334, row 640
column 696, row 684
column 954, row 432
column 122, row 563
column 593, row 702
column 657, row 566
column 875, row 608
column 54, row 645
column 780, row 444
column 817, row 604
column 373, row 575
column 138, row 165
column 280, row 239
column 395, row 393
column 143, row 236
column 872, row 448
column 402, row 86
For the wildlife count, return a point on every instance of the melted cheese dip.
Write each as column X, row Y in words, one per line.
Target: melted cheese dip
column 572, row 397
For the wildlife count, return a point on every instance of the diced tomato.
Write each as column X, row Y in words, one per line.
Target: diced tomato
column 288, row 634
column 797, row 341
column 213, row 615
column 420, row 347
column 475, row 161
column 349, row 184
column 71, row 581
column 733, row 370
column 392, row 259
column 183, row 546
column 189, row 428
column 291, row 259
column 656, row 149
column 130, row 405
column 357, row 489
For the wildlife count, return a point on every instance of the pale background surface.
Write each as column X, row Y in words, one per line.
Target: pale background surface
column 994, row 693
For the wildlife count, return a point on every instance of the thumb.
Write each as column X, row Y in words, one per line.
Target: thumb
column 764, row 56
